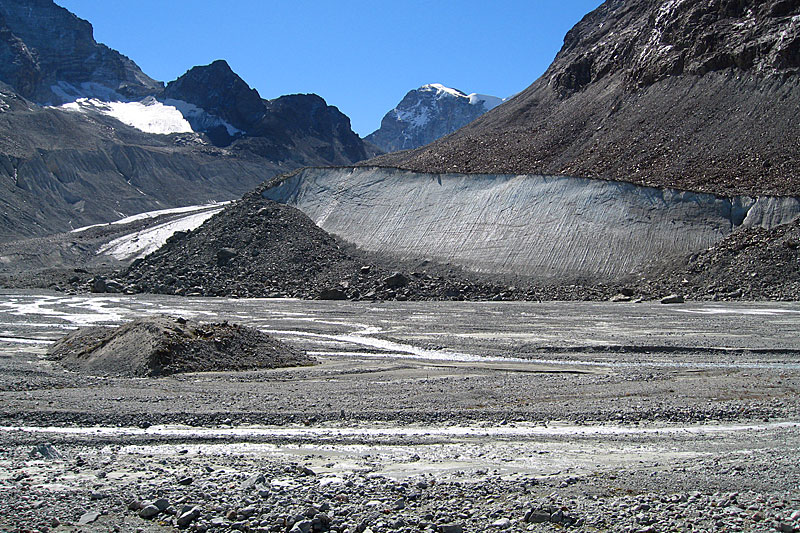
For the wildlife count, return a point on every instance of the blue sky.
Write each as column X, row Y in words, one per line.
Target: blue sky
column 361, row 56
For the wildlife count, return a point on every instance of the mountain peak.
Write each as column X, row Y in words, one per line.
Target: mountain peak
column 49, row 55
column 428, row 113
column 219, row 91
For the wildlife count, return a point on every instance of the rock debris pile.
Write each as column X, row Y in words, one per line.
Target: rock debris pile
column 160, row 346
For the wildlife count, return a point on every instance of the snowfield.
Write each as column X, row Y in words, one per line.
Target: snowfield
column 154, row 214
column 139, row 244
column 149, row 115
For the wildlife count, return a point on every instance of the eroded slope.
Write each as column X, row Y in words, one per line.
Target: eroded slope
column 673, row 93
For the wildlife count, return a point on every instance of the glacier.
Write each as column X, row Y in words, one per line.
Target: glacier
column 544, row 227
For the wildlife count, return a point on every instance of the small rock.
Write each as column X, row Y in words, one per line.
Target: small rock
column 161, row 504
column 45, row 451
column 224, row 255
column 537, row 517
column 185, row 480
column 188, row 517
column 305, row 471
column 303, row 526
column 98, row 284
column 88, row 518
column 114, row 286
column 254, row 481
column 149, row 511
column 503, row 523
column 451, row 528
column 395, row 281
column 332, row 294
column 247, row 512
column 672, row 299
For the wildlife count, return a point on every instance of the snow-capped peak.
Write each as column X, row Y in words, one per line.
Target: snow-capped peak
column 428, row 113
column 489, row 102
column 442, row 90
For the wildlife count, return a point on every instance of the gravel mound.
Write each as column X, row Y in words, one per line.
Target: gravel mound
column 159, row 346
column 752, row 264
column 258, row 248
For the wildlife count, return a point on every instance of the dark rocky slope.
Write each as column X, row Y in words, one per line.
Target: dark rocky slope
column 751, row 264
column 49, row 55
column 693, row 94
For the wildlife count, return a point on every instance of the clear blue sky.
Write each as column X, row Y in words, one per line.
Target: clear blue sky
column 361, row 56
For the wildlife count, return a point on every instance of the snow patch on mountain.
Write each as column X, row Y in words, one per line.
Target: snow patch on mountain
column 199, row 118
column 149, row 115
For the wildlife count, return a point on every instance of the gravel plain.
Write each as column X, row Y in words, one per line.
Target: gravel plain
column 419, row 416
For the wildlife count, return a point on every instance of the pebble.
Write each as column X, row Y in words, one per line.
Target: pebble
column 88, row 518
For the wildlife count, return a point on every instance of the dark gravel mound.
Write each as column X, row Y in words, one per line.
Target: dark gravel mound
column 750, row 264
column 699, row 95
column 161, row 346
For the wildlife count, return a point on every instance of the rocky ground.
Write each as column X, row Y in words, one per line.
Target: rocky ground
column 420, row 417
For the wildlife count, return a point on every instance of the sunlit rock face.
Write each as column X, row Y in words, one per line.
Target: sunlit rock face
column 49, row 56
column 428, row 113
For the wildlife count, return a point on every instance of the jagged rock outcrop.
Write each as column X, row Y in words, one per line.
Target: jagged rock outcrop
column 301, row 128
column 427, row 114
column 693, row 94
column 225, row 103
column 49, row 55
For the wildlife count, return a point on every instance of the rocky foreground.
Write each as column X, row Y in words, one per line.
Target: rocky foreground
column 185, row 491
column 421, row 417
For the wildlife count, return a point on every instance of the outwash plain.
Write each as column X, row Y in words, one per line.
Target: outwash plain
column 418, row 416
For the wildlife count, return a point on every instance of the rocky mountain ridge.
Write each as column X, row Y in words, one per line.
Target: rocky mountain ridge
column 429, row 113
column 692, row 94
column 96, row 158
column 48, row 55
